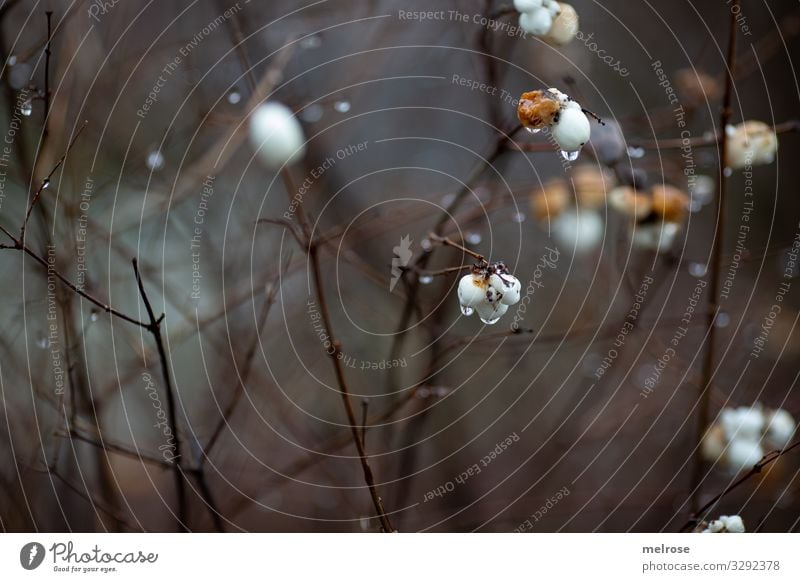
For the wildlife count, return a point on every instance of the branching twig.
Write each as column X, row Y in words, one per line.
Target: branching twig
column 18, row 245
column 313, row 249
column 154, row 327
column 46, row 182
column 771, row 457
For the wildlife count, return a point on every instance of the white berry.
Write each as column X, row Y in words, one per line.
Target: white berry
column 581, row 230
column 527, row 5
column 743, row 423
column 780, row 428
column 277, row 135
column 751, row 143
column 743, row 453
column 472, row 290
column 536, row 22
column 572, row 129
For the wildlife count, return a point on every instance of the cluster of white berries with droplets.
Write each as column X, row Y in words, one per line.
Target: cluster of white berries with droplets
column 556, row 22
column 725, row 524
column 488, row 291
column 739, row 437
column 567, row 120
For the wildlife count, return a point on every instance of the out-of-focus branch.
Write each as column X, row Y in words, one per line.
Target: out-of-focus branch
column 715, row 266
column 312, row 249
column 769, row 458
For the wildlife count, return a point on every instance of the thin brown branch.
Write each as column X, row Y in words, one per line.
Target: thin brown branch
column 769, row 458
column 18, row 245
column 154, row 327
column 444, row 241
column 715, row 267
column 46, row 182
column 312, row 249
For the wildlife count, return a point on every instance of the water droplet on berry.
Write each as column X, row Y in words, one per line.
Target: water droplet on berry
column 467, row 310
column 570, row 156
column 426, row 279
column 26, row 108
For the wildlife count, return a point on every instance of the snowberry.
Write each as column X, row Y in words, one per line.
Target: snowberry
column 743, row 423
column 715, row 526
column 658, row 237
column 743, row 453
column 571, row 130
column 507, row 286
column 670, row 203
column 751, row 143
column 277, row 135
column 551, row 200
column 591, row 185
column 552, row 6
column 536, row 22
column 780, row 428
column 565, row 25
column 472, row 290
column 527, row 5
column 725, row 524
column 581, row 230
column 488, row 290
column 630, row 202
column 732, row 523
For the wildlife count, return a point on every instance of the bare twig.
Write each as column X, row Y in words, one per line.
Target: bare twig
column 47, row 53
column 46, row 182
column 771, row 457
column 444, row 241
column 18, row 245
column 154, row 327
column 312, row 249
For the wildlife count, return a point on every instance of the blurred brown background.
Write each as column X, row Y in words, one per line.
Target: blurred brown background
column 355, row 72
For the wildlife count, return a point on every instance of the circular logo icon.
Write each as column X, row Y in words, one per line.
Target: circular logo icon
column 31, row 555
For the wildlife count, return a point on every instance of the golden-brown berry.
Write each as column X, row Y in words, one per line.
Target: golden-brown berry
column 551, row 200
column 670, row 203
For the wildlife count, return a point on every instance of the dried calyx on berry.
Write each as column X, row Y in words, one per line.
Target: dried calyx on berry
column 567, row 120
column 488, row 290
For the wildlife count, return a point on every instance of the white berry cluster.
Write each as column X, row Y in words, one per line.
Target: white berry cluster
column 276, row 135
column 751, row 143
column 725, row 524
column 741, row 436
column 556, row 22
column 488, row 290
